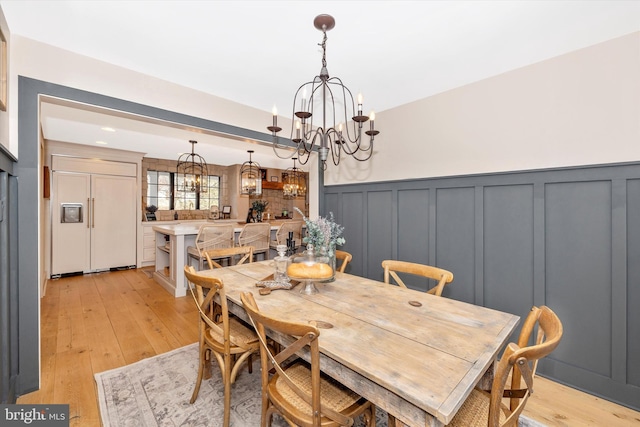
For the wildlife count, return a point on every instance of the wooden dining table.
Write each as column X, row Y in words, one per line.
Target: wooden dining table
column 415, row 355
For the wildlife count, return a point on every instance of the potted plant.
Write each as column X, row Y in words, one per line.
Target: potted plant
column 258, row 207
column 151, row 212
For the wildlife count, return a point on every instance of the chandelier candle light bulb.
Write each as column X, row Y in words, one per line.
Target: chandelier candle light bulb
column 274, row 128
column 303, row 102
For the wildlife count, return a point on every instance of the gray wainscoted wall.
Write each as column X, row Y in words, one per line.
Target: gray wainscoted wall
column 566, row 238
column 8, row 278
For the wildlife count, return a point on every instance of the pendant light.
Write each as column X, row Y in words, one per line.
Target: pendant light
column 250, row 177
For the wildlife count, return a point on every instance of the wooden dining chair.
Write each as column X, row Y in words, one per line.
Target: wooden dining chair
column 346, row 259
column 393, row 267
column 237, row 255
column 210, row 236
column 298, row 391
column 282, row 234
column 258, row 235
column 519, row 362
column 226, row 338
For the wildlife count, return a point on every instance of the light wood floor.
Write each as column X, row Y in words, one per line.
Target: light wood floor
column 97, row 322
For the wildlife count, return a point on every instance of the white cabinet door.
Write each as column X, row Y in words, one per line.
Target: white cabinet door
column 71, row 249
column 148, row 245
column 113, row 221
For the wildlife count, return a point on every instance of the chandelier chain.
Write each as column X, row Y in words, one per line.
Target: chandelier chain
column 324, row 49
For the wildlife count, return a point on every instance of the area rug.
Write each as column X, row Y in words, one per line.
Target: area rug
column 156, row 392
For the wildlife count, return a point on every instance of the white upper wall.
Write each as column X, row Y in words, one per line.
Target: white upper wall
column 581, row 108
column 48, row 63
column 576, row 109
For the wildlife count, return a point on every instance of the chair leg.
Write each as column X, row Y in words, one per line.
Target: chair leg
column 371, row 422
column 227, row 391
column 196, row 390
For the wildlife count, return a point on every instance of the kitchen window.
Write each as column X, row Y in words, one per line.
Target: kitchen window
column 168, row 192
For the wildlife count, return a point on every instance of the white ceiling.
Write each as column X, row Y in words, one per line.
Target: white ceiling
column 259, row 52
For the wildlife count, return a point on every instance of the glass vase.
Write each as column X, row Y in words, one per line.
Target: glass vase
column 329, row 251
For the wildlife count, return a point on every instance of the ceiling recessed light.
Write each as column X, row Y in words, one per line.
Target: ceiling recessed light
column 101, row 143
column 108, row 129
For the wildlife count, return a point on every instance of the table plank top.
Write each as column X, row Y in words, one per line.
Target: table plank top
column 413, row 354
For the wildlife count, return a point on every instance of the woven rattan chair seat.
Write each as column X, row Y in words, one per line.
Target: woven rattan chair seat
column 333, row 394
column 240, row 335
column 475, row 411
column 192, row 250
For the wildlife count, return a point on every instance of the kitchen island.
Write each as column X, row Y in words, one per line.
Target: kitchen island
column 172, row 242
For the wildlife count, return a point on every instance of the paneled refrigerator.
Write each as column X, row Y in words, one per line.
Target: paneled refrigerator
column 93, row 222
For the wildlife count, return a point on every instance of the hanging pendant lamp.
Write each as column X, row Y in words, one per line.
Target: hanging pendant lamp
column 294, row 183
column 192, row 174
column 250, row 177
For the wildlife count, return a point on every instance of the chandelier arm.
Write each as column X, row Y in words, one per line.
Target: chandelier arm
column 305, row 147
column 316, row 85
column 304, row 106
column 358, row 149
column 276, row 146
column 303, row 157
column 336, row 81
column 306, row 153
column 352, row 147
column 335, row 145
column 347, row 142
column 357, row 127
column 363, row 159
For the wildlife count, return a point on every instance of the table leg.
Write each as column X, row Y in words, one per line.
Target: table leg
column 486, row 381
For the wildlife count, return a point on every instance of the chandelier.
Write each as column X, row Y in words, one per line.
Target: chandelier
column 250, row 177
column 192, row 172
column 295, row 182
column 333, row 105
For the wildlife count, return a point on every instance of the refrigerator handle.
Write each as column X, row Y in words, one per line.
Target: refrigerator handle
column 88, row 207
column 93, row 212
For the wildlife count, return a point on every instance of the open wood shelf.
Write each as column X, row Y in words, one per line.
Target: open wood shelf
column 272, row 185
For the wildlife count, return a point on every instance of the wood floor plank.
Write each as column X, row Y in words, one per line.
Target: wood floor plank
column 106, row 352
column 152, row 326
column 101, row 321
column 133, row 342
column 556, row 405
column 178, row 323
column 69, row 309
column 49, row 316
column 73, row 367
column 138, row 281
